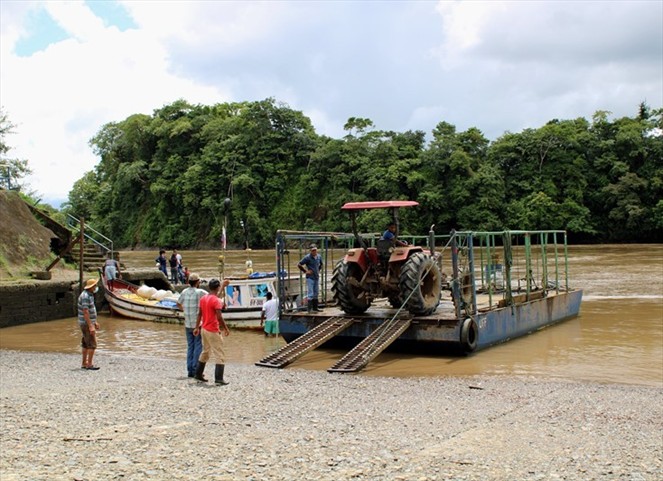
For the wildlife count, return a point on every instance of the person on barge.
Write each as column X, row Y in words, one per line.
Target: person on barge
column 311, row 265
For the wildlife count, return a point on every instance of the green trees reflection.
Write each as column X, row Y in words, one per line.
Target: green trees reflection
column 161, row 179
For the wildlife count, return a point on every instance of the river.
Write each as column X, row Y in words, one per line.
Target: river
column 618, row 336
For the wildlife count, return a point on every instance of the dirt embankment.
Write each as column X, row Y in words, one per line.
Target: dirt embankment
column 24, row 242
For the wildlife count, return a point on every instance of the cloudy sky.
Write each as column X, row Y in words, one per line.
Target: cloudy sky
column 67, row 68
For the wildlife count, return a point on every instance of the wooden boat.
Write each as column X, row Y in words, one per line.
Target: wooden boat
column 244, row 297
column 123, row 299
column 499, row 286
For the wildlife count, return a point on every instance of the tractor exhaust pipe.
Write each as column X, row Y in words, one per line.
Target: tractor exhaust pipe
column 431, row 240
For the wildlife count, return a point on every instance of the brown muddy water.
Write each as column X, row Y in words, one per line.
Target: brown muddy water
column 618, row 336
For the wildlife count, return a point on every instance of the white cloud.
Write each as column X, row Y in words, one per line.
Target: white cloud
column 60, row 97
column 76, row 18
column 406, row 65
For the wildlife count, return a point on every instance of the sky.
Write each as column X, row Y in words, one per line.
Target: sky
column 68, row 68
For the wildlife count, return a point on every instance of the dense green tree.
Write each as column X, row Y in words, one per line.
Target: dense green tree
column 162, row 178
column 12, row 171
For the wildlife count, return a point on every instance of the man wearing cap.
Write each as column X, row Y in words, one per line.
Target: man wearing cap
column 188, row 303
column 311, row 265
column 87, row 320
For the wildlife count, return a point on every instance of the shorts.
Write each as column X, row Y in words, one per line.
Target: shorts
column 272, row 327
column 89, row 340
column 111, row 272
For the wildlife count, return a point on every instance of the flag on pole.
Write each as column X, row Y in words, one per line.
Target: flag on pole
column 223, row 237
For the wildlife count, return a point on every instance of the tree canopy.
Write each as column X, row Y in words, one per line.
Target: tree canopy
column 162, row 178
column 12, row 171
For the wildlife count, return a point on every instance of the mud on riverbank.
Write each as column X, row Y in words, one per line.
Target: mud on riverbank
column 137, row 419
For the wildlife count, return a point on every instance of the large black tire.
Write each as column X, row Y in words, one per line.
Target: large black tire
column 420, row 284
column 350, row 297
column 469, row 335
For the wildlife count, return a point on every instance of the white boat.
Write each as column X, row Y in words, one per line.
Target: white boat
column 243, row 297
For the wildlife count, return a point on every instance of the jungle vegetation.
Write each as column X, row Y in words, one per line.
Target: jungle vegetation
column 162, row 178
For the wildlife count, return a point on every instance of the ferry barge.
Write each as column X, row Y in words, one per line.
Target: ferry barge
column 495, row 286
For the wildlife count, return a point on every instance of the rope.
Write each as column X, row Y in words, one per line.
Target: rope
column 391, row 321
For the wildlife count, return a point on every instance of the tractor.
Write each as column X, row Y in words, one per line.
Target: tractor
column 404, row 274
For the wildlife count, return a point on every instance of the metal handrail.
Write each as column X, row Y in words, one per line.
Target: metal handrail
column 74, row 222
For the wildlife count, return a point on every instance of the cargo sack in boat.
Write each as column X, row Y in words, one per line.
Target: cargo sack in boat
column 171, row 296
column 160, row 294
column 167, row 303
column 146, row 291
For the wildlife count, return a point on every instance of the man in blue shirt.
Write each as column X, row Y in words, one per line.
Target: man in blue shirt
column 311, row 265
column 390, row 234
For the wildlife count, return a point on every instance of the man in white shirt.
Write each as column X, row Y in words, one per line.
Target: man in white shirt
column 188, row 302
column 269, row 317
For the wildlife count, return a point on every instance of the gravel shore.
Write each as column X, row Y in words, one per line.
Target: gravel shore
column 141, row 419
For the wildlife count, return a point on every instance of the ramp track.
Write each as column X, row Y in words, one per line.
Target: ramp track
column 307, row 342
column 371, row 346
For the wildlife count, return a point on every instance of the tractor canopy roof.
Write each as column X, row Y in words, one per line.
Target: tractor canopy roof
column 379, row 204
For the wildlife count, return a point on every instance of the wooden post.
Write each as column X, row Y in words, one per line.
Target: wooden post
column 75, row 241
column 81, row 240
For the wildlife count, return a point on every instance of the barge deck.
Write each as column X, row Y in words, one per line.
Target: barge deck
column 484, row 303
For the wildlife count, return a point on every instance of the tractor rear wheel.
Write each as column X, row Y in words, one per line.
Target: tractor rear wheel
column 420, row 284
column 347, row 290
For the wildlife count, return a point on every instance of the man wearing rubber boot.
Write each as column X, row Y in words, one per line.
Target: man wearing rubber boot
column 310, row 265
column 209, row 325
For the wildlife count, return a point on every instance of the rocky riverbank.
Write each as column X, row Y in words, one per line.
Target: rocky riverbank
column 139, row 419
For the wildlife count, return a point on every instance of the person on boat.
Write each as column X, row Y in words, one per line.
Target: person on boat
column 111, row 268
column 391, row 233
column 209, row 324
column 87, row 321
column 185, row 275
column 174, row 278
column 161, row 262
column 310, row 265
column 188, row 303
column 269, row 316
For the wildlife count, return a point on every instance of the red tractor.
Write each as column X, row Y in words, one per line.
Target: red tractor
column 405, row 274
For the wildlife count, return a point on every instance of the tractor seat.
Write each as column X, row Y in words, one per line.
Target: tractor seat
column 384, row 247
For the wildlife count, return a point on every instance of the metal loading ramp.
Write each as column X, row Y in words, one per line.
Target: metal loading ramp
column 371, row 346
column 307, row 342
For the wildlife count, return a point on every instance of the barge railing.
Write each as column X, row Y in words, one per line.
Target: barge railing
column 540, row 266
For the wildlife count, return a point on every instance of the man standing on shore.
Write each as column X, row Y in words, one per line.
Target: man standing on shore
column 174, row 278
column 208, row 325
column 188, row 303
column 87, row 320
column 161, row 262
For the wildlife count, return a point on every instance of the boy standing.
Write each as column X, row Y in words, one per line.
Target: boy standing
column 270, row 316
